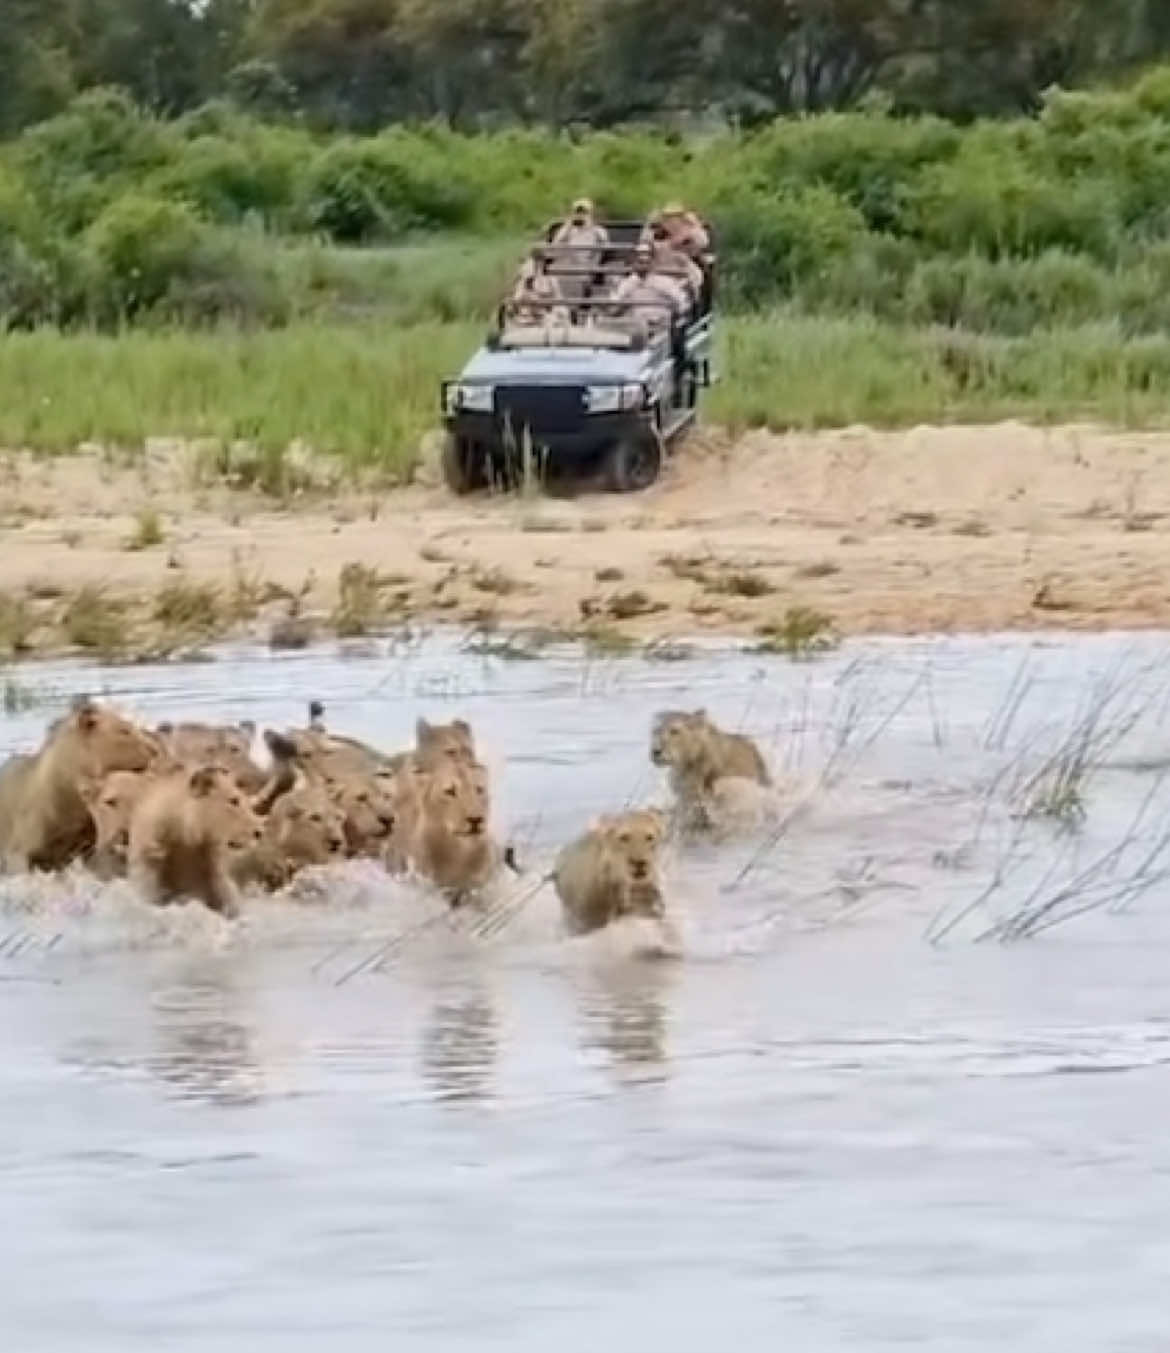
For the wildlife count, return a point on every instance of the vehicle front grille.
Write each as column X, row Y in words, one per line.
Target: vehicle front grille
column 543, row 409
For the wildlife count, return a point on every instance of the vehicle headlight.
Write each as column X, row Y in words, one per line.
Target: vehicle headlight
column 611, row 398
column 472, row 398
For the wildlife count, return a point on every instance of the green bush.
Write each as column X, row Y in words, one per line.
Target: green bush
column 770, row 244
column 384, row 188
column 1000, row 205
column 872, row 162
column 37, row 285
column 153, row 258
column 78, row 161
column 1010, row 296
column 226, row 181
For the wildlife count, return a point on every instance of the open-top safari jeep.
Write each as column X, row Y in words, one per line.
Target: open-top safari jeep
column 580, row 383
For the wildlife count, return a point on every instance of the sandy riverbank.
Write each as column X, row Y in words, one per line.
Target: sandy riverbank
column 930, row 529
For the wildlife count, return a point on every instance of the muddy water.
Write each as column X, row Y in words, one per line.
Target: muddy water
column 813, row 1129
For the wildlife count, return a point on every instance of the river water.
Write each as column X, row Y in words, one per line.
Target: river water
column 812, row 1129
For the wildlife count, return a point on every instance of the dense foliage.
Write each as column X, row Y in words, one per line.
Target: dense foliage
column 109, row 213
column 360, row 64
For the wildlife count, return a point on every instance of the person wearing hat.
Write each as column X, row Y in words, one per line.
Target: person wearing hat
column 535, row 283
column 586, row 239
column 683, row 230
column 652, row 296
column 672, row 261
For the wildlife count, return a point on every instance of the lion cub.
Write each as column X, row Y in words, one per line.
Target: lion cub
column 185, row 832
column 612, row 871
column 703, row 760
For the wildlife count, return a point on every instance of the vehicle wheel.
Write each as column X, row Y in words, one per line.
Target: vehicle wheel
column 464, row 467
column 633, row 463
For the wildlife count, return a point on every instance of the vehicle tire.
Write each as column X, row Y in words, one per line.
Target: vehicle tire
column 464, row 467
column 633, row 463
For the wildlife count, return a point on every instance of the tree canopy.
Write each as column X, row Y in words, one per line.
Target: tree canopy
column 361, row 64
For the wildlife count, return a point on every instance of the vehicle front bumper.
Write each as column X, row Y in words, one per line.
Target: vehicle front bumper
column 594, row 434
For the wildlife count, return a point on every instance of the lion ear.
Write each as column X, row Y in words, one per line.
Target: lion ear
column 462, row 726
column 699, row 714
column 86, row 714
column 202, row 781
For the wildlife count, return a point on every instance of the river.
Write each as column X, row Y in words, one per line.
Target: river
column 813, row 1128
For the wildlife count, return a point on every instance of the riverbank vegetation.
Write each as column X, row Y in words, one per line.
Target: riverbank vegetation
column 270, row 241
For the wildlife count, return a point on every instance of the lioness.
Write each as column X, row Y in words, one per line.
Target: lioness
column 612, row 871
column 185, row 831
column 699, row 755
column 226, row 745
column 44, row 820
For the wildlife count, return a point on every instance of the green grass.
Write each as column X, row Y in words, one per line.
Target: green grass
column 367, row 392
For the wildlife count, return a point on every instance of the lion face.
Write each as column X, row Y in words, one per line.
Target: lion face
column 108, row 742
column 435, row 743
column 367, row 805
column 455, row 797
column 632, row 841
column 226, row 815
column 308, row 826
column 675, row 736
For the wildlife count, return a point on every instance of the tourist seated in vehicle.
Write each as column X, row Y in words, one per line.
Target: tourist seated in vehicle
column 672, row 261
column 648, row 295
column 536, row 288
column 682, row 229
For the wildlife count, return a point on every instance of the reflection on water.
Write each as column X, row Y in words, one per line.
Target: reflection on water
column 623, row 1015
column 203, row 1048
column 459, row 1047
column 855, row 1140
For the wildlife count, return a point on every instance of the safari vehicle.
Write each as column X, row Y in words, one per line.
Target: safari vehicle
column 582, row 388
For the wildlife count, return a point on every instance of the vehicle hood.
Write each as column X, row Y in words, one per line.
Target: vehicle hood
column 554, row 366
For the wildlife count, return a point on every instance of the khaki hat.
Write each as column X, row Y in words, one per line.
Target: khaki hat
column 583, row 204
column 674, row 209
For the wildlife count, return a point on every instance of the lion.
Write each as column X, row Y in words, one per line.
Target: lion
column 227, row 745
column 111, row 804
column 44, row 820
column 306, row 827
column 698, row 755
column 441, row 828
column 444, row 741
column 185, row 831
column 368, row 805
column 612, row 871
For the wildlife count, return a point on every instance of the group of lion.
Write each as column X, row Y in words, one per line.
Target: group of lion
column 187, row 810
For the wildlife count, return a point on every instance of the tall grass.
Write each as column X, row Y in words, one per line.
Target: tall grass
column 366, row 393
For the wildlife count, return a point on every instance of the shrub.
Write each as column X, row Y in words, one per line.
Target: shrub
column 78, row 161
column 993, row 200
column 872, row 162
column 150, row 257
column 226, row 180
column 138, row 247
column 383, row 188
column 770, row 244
column 1009, row 296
